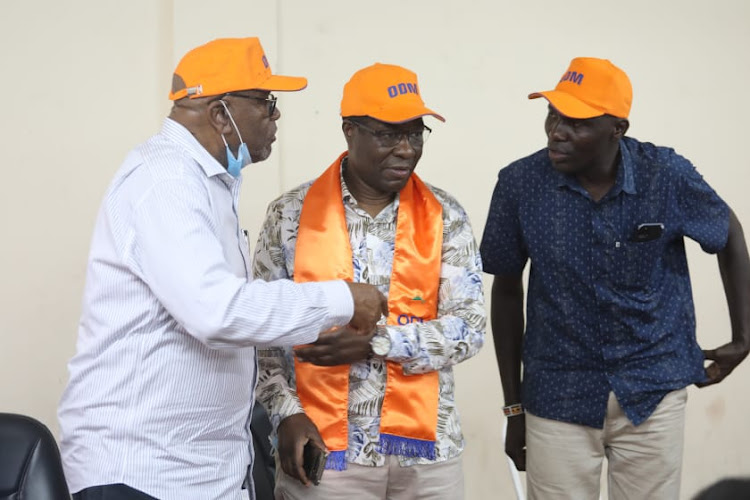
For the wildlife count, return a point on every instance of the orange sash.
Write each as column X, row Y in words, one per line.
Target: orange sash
column 409, row 414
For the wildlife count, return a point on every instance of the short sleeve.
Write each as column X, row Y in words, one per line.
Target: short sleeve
column 503, row 250
column 705, row 216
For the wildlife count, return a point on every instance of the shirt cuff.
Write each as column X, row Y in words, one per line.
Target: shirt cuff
column 402, row 351
column 340, row 303
column 291, row 407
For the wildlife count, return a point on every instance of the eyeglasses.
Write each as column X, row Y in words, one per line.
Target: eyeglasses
column 392, row 138
column 270, row 100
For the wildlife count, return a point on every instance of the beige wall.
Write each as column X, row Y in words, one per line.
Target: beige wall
column 83, row 81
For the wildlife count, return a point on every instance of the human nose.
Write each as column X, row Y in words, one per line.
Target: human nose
column 555, row 129
column 276, row 114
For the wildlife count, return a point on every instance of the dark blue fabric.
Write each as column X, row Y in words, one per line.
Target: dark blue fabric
column 111, row 492
column 604, row 313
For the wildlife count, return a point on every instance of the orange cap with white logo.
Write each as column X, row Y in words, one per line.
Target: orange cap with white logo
column 228, row 65
column 591, row 87
column 385, row 92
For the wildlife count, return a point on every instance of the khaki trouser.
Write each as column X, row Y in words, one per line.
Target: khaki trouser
column 564, row 461
column 438, row 481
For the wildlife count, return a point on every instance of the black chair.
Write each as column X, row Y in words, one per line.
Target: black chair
column 264, row 467
column 727, row 489
column 30, row 465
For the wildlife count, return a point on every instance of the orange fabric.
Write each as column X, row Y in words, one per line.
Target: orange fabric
column 323, row 252
column 385, row 92
column 589, row 88
column 229, row 65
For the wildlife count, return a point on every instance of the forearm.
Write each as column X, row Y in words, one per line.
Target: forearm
column 507, row 332
column 434, row 345
column 278, row 313
column 458, row 332
column 734, row 266
column 283, row 313
column 274, row 389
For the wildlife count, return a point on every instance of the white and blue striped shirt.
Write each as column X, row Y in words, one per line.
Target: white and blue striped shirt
column 162, row 383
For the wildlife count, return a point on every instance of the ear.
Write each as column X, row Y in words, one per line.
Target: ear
column 620, row 128
column 348, row 129
column 218, row 118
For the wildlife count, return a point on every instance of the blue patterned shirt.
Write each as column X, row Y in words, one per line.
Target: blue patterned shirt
column 605, row 312
column 437, row 345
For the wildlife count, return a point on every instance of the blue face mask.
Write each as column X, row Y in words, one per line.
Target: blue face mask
column 234, row 165
column 243, row 158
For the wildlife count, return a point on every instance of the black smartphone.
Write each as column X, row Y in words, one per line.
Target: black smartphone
column 648, row 231
column 314, row 461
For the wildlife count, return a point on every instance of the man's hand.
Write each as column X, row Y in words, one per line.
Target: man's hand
column 515, row 441
column 369, row 306
column 725, row 359
column 294, row 432
column 342, row 346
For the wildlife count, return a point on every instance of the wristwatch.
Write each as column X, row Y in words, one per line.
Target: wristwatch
column 380, row 343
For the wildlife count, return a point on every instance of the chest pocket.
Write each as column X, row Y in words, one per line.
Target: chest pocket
column 636, row 263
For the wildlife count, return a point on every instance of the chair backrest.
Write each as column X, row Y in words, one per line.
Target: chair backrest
column 30, row 465
column 727, row 489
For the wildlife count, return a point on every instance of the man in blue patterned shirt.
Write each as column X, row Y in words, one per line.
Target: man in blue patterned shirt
column 609, row 344
column 363, row 213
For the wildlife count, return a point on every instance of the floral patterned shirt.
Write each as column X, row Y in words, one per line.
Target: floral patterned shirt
column 454, row 336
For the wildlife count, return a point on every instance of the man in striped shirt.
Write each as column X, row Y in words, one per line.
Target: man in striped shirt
column 162, row 384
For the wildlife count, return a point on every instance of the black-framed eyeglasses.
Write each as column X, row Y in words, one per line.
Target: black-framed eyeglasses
column 392, row 138
column 270, row 100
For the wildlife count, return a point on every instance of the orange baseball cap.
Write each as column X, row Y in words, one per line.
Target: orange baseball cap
column 385, row 92
column 591, row 87
column 228, row 65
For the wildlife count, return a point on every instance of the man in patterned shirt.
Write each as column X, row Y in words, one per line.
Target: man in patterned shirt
column 610, row 342
column 380, row 402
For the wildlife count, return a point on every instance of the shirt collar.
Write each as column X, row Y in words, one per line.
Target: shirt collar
column 626, row 162
column 176, row 132
column 348, row 198
column 625, row 180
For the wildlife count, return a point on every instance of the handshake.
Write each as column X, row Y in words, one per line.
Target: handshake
column 349, row 343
